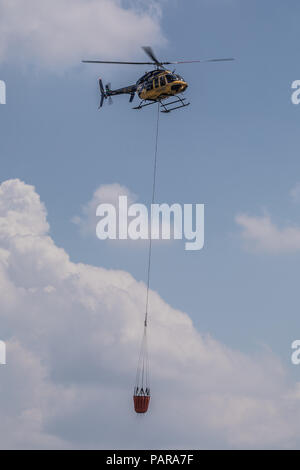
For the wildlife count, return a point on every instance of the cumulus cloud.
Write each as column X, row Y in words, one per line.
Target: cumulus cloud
column 104, row 194
column 73, row 333
column 59, row 33
column 262, row 235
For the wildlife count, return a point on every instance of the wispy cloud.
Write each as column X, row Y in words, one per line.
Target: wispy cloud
column 59, row 33
column 262, row 235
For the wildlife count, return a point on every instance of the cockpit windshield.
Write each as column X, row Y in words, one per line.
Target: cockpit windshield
column 172, row 77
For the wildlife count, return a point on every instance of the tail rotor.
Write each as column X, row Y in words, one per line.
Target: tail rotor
column 103, row 94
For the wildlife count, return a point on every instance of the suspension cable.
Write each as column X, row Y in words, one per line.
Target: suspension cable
column 142, row 374
column 152, row 202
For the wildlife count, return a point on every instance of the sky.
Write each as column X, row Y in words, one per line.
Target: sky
column 222, row 319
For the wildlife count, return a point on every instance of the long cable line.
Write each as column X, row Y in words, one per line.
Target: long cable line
column 152, row 202
column 142, row 389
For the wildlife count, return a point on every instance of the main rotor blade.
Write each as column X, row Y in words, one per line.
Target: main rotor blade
column 150, row 53
column 113, row 62
column 199, row 61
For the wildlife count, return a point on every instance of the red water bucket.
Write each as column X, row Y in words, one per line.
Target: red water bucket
column 141, row 403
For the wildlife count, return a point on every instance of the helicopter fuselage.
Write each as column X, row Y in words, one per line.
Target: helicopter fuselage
column 160, row 84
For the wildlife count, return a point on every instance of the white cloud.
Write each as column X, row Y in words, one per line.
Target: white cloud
column 59, row 33
column 262, row 235
column 73, row 333
column 104, row 194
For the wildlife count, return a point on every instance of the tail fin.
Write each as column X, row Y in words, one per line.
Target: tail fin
column 103, row 93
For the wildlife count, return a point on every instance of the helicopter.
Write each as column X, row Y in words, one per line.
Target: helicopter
column 157, row 86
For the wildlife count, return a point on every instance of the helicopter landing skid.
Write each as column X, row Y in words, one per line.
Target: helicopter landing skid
column 165, row 106
column 179, row 101
column 141, row 105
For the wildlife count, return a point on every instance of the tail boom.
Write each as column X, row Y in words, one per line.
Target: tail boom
column 107, row 92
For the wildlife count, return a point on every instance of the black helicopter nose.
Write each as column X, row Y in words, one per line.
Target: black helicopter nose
column 179, row 87
column 176, row 87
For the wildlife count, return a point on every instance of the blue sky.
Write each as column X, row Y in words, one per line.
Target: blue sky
column 235, row 149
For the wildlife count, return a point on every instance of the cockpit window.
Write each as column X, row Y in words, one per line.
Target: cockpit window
column 149, row 86
column 162, row 81
column 171, row 78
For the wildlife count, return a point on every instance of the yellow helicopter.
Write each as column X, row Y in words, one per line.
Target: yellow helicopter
column 156, row 86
